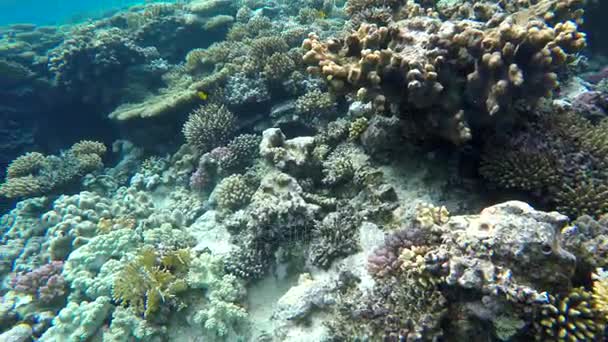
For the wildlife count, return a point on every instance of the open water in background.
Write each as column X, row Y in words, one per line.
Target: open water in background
column 53, row 12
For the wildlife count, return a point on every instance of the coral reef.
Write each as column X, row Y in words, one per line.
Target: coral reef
column 411, row 67
column 571, row 318
column 560, row 158
column 151, row 279
column 209, row 126
column 46, row 282
column 34, row 174
column 295, row 203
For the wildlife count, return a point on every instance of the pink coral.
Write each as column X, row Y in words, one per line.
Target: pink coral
column 44, row 282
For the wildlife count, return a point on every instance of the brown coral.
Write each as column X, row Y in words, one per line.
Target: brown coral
column 412, row 67
column 25, row 165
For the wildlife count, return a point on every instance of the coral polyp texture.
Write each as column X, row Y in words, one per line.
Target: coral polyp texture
column 561, row 157
column 209, row 126
column 315, row 170
column 34, row 174
column 429, row 71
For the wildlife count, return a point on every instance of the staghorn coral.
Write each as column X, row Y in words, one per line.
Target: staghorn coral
column 561, row 158
column 209, row 126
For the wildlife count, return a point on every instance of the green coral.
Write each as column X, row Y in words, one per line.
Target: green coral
column 357, row 127
column 151, row 280
column 34, row 174
column 233, row 192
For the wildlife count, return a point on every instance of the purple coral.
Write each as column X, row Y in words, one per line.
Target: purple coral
column 45, row 282
column 207, row 168
column 597, row 77
column 591, row 104
column 385, row 259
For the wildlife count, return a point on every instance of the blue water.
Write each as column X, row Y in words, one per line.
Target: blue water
column 50, row 12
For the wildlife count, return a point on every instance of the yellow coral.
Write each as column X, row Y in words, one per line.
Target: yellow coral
column 571, row 318
column 25, row 165
column 88, row 147
column 357, row 127
column 151, row 279
column 21, row 187
column 428, row 215
column 600, row 293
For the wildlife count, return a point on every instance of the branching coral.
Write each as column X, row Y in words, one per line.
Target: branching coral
column 27, row 164
column 571, row 318
column 233, row 192
column 209, row 126
column 151, row 280
column 562, row 157
column 34, row 174
column 334, row 237
column 422, row 67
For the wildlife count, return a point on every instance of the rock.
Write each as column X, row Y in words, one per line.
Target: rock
column 381, row 135
column 510, row 248
column 211, row 235
column 19, row 333
column 291, row 156
column 300, row 300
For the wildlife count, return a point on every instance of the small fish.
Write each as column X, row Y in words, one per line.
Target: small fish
column 202, row 95
column 322, row 15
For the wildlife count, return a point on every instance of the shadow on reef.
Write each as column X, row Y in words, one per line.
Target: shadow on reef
column 596, row 27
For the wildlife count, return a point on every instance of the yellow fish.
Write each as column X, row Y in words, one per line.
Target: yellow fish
column 322, row 15
column 202, row 95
